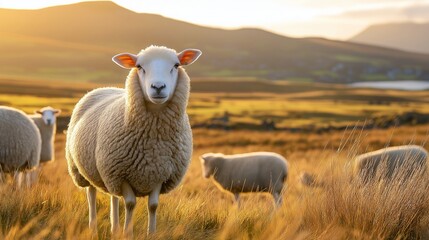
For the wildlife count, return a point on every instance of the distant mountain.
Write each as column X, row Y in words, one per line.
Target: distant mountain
column 76, row 42
column 413, row 37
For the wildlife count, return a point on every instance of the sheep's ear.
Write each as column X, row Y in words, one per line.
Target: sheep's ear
column 188, row 56
column 57, row 111
column 38, row 111
column 125, row 60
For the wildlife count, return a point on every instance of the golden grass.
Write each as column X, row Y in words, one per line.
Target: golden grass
column 56, row 209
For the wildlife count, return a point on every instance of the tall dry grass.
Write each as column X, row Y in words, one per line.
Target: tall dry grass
column 342, row 209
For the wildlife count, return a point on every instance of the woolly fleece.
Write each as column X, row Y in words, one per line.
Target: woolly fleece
column 20, row 141
column 113, row 138
column 47, row 134
column 409, row 159
column 249, row 172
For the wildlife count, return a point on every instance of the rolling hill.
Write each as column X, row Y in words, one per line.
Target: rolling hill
column 76, row 42
column 413, row 37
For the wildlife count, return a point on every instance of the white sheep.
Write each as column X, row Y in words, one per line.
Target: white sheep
column 248, row 172
column 400, row 161
column 45, row 120
column 136, row 141
column 20, row 143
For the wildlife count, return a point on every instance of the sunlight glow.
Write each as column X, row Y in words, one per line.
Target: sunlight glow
column 328, row 18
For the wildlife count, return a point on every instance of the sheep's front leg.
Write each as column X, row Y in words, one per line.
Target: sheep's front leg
column 32, row 177
column 152, row 206
column 18, row 179
column 114, row 214
column 237, row 198
column 130, row 203
column 277, row 198
column 91, row 194
column 2, row 176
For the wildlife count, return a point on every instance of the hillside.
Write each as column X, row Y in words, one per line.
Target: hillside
column 76, row 42
column 411, row 37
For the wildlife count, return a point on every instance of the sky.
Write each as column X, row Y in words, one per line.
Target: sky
column 335, row 19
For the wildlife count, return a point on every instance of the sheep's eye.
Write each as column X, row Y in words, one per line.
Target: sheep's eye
column 176, row 65
column 139, row 67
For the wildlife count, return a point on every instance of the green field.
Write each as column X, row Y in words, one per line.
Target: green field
column 246, row 101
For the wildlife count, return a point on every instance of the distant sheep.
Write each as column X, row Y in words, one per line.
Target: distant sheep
column 136, row 141
column 391, row 162
column 20, row 142
column 45, row 120
column 249, row 172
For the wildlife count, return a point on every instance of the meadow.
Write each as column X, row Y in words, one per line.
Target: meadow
column 247, row 101
column 56, row 209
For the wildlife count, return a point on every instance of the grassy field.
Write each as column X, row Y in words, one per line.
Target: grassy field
column 56, row 209
column 246, row 100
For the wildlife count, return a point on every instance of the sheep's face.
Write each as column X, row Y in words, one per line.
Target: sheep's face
column 208, row 163
column 49, row 115
column 158, row 70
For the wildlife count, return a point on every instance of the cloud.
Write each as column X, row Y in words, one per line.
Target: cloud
column 415, row 12
column 347, row 4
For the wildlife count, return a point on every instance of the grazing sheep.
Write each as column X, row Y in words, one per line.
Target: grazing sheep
column 136, row 141
column 386, row 163
column 20, row 143
column 249, row 172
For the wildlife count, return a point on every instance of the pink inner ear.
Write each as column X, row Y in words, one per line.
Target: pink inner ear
column 127, row 60
column 187, row 57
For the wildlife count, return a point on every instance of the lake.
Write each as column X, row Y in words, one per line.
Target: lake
column 410, row 85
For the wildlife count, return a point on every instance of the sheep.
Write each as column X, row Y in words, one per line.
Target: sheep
column 20, row 143
column 248, row 172
column 45, row 120
column 384, row 164
column 400, row 163
column 137, row 141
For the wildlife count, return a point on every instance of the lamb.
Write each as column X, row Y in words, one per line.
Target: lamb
column 386, row 163
column 137, row 141
column 248, row 172
column 20, row 143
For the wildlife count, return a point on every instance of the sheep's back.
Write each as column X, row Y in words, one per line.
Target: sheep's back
column 387, row 162
column 252, row 173
column 20, row 142
column 83, row 131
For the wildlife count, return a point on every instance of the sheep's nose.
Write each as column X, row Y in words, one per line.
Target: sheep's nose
column 49, row 121
column 158, row 87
